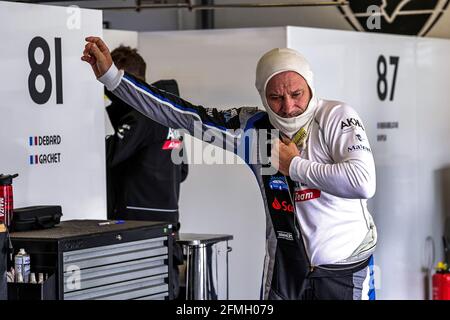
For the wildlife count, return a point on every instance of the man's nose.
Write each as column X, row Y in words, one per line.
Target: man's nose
column 288, row 105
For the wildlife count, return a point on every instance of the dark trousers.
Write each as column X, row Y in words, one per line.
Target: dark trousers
column 335, row 283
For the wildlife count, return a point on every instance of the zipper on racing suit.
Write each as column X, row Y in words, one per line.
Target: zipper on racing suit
column 303, row 142
column 299, row 234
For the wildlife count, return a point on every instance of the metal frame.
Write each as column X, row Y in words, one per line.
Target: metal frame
column 188, row 4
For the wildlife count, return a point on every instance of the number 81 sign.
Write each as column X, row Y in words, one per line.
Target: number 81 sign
column 42, row 69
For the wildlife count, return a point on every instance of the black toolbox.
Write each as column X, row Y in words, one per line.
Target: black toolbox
column 98, row 259
column 35, row 218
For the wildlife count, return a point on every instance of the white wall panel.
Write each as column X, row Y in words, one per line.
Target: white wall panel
column 77, row 181
column 433, row 128
column 345, row 66
column 116, row 38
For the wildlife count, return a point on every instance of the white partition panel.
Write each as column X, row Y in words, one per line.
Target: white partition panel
column 399, row 87
column 433, row 146
column 347, row 68
column 116, row 38
column 52, row 130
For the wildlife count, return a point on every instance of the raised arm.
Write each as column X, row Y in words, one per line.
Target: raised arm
column 161, row 106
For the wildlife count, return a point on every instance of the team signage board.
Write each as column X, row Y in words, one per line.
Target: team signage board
column 52, row 121
column 398, row 85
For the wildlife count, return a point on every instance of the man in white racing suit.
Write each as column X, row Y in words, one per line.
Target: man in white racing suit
column 320, row 235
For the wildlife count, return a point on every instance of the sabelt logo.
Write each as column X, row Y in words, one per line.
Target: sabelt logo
column 307, row 194
column 283, row 206
column 285, row 235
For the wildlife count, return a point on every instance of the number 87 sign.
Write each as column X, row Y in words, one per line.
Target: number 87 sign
column 383, row 84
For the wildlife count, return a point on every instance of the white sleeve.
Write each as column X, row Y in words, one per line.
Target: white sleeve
column 111, row 79
column 352, row 173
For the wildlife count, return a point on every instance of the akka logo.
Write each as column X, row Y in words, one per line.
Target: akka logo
column 283, row 206
column 351, row 122
column 173, row 134
column 306, row 195
column 411, row 17
column 171, row 144
column 173, row 140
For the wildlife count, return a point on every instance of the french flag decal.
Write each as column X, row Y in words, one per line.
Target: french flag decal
column 33, row 141
column 34, row 159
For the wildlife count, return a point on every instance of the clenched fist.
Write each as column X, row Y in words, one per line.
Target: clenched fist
column 283, row 151
column 97, row 54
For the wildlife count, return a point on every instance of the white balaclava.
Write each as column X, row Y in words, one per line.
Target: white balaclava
column 277, row 61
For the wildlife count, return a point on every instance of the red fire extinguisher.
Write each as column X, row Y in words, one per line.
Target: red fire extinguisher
column 6, row 199
column 441, row 282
